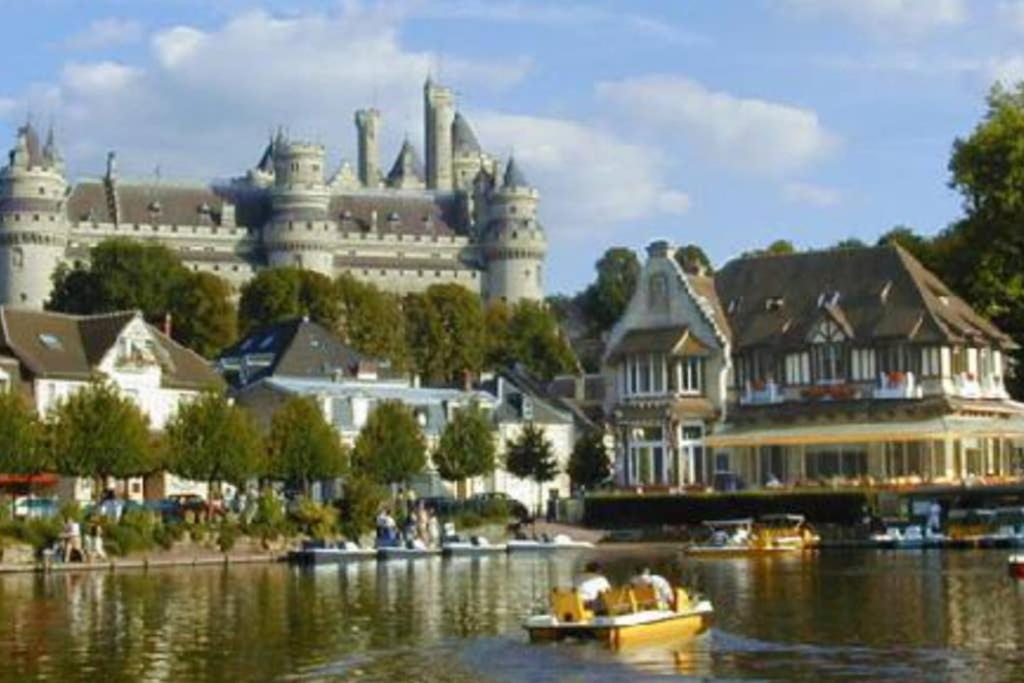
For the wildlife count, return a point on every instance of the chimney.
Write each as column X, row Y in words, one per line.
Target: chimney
column 368, row 126
column 167, row 326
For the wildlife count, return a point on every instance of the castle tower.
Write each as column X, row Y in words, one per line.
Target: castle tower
column 300, row 229
column 33, row 219
column 514, row 244
column 438, row 113
column 368, row 127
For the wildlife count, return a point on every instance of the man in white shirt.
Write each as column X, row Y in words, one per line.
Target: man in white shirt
column 590, row 584
column 662, row 588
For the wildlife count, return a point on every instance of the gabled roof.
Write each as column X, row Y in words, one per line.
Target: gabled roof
column 463, row 139
column 66, row 346
column 293, row 348
column 875, row 294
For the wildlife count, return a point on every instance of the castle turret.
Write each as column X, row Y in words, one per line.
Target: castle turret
column 300, row 231
column 407, row 171
column 33, row 219
column 438, row 113
column 514, row 244
column 368, row 126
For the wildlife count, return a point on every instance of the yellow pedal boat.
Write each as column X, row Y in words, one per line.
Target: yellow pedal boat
column 631, row 616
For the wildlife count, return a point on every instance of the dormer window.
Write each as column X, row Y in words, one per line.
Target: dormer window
column 51, row 342
column 773, row 303
column 828, row 298
column 734, row 305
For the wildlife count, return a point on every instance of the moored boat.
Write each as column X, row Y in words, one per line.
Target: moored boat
column 771, row 534
column 409, row 550
column 474, row 546
column 629, row 616
column 314, row 554
column 560, row 542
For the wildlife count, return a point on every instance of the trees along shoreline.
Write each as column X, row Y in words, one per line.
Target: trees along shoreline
column 466, row 448
column 531, row 456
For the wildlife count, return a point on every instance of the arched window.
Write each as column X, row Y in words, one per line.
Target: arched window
column 17, row 257
column 828, row 352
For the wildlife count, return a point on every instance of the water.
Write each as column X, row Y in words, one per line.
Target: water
column 950, row 616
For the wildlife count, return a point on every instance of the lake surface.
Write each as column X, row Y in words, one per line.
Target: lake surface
column 857, row 615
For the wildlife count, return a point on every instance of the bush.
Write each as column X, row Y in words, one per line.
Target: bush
column 624, row 511
column 363, row 500
column 70, row 510
column 38, row 533
column 166, row 535
column 136, row 532
column 270, row 520
column 316, row 520
column 227, row 537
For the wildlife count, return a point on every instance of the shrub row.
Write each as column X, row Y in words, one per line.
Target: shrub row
column 632, row 511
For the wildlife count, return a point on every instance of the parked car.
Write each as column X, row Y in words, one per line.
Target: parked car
column 33, row 507
column 440, row 505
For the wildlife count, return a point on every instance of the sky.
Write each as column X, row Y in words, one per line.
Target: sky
column 726, row 124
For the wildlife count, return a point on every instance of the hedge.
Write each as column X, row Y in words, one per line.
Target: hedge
column 631, row 510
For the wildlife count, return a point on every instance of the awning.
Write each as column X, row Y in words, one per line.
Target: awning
column 870, row 432
column 28, row 479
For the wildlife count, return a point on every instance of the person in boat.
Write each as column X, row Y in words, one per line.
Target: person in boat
column 662, row 588
column 433, row 530
column 386, row 526
column 590, row 584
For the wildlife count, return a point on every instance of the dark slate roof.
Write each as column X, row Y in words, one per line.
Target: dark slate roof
column 704, row 286
column 651, row 340
column 463, row 139
column 147, row 203
column 877, row 294
column 513, row 175
column 71, row 346
column 293, row 348
column 372, row 262
column 417, row 214
column 407, row 162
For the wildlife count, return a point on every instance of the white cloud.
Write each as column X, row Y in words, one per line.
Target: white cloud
column 890, row 18
column 749, row 134
column 1011, row 14
column 97, row 78
column 810, row 194
column 589, row 177
column 203, row 104
column 104, row 33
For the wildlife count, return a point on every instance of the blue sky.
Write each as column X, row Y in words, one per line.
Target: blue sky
column 727, row 124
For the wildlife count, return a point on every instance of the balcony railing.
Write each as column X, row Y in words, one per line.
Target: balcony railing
column 759, row 393
column 966, row 385
column 993, row 387
column 897, row 385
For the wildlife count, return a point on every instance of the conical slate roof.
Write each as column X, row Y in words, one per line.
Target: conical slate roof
column 407, row 165
column 50, row 151
column 463, row 139
column 513, row 176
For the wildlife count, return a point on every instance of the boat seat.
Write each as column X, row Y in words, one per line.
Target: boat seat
column 646, row 597
column 620, row 600
column 567, row 606
column 683, row 601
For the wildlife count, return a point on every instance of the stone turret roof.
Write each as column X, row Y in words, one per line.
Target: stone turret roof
column 513, row 175
column 406, row 166
column 463, row 139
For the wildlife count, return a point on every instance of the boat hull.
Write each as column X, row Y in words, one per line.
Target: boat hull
column 542, row 547
column 320, row 556
column 620, row 632
column 469, row 550
column 739, row 551
column 407, row 553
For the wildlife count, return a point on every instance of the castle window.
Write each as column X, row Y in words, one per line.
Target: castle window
column 53, row 219
column 515, row 234
column 216, row 267
column 17, row 257
column 35, row 217
column 17, row 216
column 135, row 227
column 316, row 168
column 437, row 273
column 512, row 209
column 42, row 191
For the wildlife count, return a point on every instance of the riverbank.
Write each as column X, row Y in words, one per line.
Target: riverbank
column 144, row 563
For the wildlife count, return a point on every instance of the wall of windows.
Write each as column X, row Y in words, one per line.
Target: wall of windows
column 660, row 374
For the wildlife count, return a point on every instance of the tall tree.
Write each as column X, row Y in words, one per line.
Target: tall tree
column 531, row 456
column 277, row 294
column 776, row 248
column 536, row 340
column 980, row 255
column 211, row 440
column 204, row 319
column 390, row 447
column 126, row 274
column 589, row 464
column 302, row 446
column 849, row 243
column 97, row 432
column 371, row 320
column 606, row 299
column 466, row 448
column 445, row 330
column 22, row 447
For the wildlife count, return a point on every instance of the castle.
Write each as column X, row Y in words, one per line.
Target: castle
column 465, row 219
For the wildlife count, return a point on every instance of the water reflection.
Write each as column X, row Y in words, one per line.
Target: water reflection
column 839, row 616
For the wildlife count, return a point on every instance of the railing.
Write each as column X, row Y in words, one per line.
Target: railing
column 897, row 385
column 993, row 387
column 966, row 385
column 756, row 393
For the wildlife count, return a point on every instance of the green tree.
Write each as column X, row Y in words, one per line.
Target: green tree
column 204, row 319
column 606, row 299
column 692, row 259
column 776, row 248
column 302, row 446
column 536, row 340
column 125, row 274
column 849, row 243
column 498, row 352
column 531, row 456
column 979, row 256
column 466, row 448
column 22, row 446
column 361, row 501
column 589, row 465
column 211, row 440
column 277, row 294
column 371, row 321
column 445, row 331
column 97, row 432
column 390, row 447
